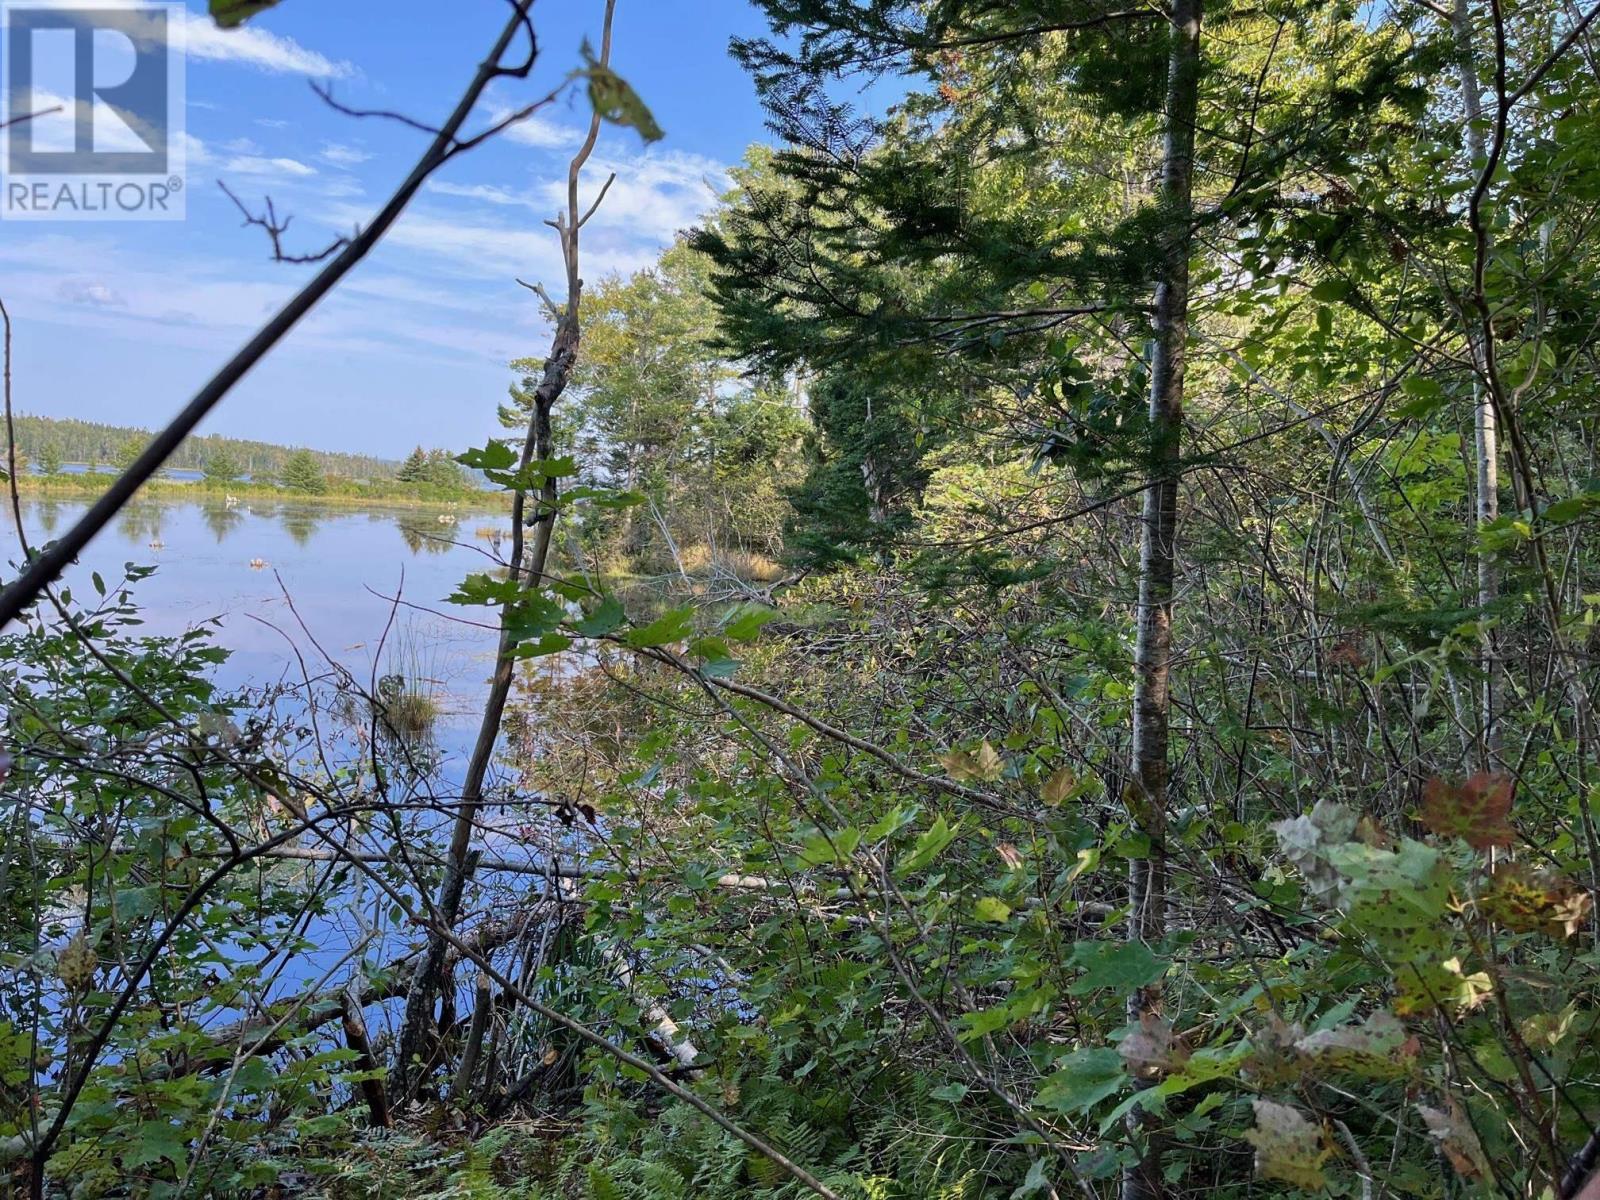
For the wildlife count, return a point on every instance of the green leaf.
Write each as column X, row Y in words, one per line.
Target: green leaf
column 950, row 1093
column 1426, row 396
column 549, row 643
column 1082, row 1079
column 993, row 909
column 157, row 1141
column 1123, row 966
column 1571, row 508
column 229, row 13
column 616, row 101
column 744, row 622
column 484, row 589
column 605, row 619
column 671, row 626
column 831, row 849
column 928, row 847
column 711, row 649
column 984, row 1021
column 1331, row 290
column 495, row 456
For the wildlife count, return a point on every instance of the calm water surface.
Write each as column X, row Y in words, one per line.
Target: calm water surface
column 338, row 566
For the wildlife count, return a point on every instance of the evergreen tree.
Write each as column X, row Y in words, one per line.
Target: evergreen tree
column 303, row 473
column 441, row 470
column 49, row 459
column 223, row 466
column 415, row 467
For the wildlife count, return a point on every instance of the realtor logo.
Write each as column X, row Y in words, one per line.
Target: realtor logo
column 92, row 113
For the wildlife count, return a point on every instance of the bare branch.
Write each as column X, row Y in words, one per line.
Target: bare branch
column 275, row 229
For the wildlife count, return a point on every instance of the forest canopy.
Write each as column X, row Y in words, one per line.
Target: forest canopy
column 1046, row 647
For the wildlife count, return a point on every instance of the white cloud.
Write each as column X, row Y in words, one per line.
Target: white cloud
column 342, row 187
column 195, row 152
column 88, row 282
column 241, row 145
column 248, row 44
column 97, row 295
column 654, row 194
column 342, row 156
column 254, row 46
column 250, row 164
column 487, row 192
column 485, row 249
column 54, row 127
column 536, row 131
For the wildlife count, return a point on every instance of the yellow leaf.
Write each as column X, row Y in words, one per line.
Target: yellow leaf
column 1289, row 1148
column 1058, row 787
column 992, row 909
column 989, row 763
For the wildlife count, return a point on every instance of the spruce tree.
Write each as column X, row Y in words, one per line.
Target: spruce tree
column 223, row 467
column 415, row 467
column 303, row 473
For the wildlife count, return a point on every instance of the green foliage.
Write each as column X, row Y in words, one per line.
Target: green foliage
column 94, row 443
column 865, row 887
column 414, row 469
column 302, row 473
column 229, row 13
column 615, row 100
column 223, row 467
column 128, row 451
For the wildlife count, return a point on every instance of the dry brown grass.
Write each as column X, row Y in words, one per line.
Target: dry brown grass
column 749, row 565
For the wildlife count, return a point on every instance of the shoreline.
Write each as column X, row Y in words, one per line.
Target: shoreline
column 93, row 486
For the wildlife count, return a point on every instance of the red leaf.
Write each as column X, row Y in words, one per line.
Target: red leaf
column 1476, row 811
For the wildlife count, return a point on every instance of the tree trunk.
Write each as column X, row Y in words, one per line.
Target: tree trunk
column 528, row 567
column 355, row 1037
column 1485, row 429
column 1147, row 789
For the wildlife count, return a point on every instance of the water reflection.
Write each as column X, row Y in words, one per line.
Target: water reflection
column 142, row 523
column 48, row 515
column 221, row 520
column 423, row 533
column 300, row 523
column 339, row 564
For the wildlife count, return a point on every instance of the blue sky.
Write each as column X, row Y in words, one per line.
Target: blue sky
column 121, row 321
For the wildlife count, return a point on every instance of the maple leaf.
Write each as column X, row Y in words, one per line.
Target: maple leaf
column 1152, row 1048
column 1273, row 1058
column 989, row 762
column 983, row 765
column 1058, row 787
column 1475, row 811
column 1525, row 900
column 1454, row 1133
column 1306, row 840
column 1289, row 1148
column 1378, row 1047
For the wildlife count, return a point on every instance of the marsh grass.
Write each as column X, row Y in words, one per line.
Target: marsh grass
column 410, row 698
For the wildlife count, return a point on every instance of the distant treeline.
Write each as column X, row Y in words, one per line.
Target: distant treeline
column 68, row 440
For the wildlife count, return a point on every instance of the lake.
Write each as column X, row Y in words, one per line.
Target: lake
column 340, row 568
